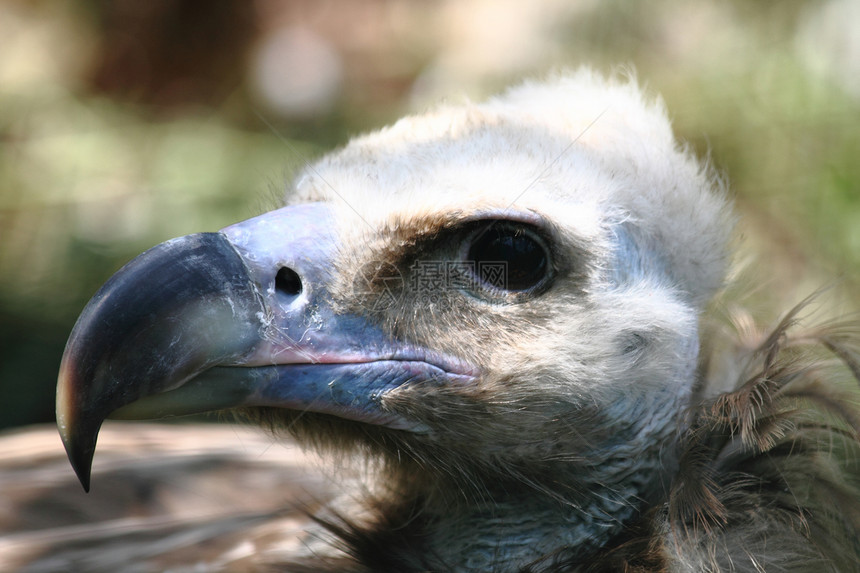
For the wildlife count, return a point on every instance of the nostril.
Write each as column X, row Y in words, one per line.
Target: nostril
column 288, row 281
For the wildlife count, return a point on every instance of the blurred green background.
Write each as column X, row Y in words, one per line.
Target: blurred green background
column 124, row 123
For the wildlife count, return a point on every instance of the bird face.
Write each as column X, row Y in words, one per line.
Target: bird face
column 485, row 287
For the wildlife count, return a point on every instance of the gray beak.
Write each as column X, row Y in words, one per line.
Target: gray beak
column 237, row 318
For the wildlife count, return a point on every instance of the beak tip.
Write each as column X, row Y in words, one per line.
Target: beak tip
column 79, row 444
column 80, row 447
column 85, row 480
column 81, row 460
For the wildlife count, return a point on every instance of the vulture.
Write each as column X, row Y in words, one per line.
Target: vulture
column 499, row 312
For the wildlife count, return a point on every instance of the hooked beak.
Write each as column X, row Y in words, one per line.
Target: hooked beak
column 237, row 318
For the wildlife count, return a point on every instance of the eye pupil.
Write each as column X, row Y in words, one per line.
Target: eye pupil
column 524, row 259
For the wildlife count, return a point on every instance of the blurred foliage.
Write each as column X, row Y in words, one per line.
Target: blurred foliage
column 123, row 124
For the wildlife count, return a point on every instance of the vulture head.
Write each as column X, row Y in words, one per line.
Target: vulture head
column 498, row 302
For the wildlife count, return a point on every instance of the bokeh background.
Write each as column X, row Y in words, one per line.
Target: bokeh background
column 124, row 123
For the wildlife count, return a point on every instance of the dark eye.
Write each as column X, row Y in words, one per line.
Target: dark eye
column 508, row 256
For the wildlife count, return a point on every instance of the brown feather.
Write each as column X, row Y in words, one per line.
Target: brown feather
column 769, row 474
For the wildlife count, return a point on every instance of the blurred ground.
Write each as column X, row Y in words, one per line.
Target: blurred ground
column 125, row 123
